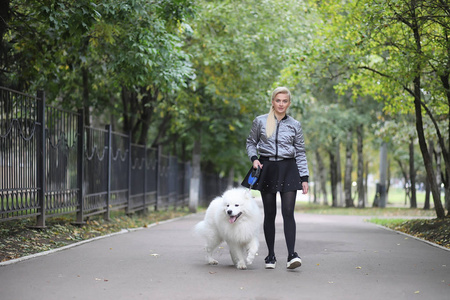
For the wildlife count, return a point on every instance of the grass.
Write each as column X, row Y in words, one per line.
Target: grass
column 369, row 211
column 396, row 197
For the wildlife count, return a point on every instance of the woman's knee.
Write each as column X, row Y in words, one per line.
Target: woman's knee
column 288, row 214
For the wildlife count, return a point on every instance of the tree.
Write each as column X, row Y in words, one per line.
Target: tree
column 388, row 48
column 417, row 30
column 92, row 53
column 238, row 50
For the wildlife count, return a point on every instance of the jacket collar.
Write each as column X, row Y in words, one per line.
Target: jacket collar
column 284, row 118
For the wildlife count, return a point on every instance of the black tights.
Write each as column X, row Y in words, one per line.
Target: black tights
column 270, row 212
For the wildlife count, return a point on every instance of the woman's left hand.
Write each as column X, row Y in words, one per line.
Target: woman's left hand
column 305, row 187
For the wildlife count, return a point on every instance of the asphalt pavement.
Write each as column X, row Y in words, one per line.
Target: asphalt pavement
column 344, row 257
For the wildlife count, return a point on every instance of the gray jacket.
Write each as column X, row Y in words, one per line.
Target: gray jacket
column 286, row 142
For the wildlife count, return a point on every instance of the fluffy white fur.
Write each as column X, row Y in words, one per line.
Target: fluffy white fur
column 235, row 218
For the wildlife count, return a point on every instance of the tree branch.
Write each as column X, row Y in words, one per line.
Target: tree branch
column 388, row 76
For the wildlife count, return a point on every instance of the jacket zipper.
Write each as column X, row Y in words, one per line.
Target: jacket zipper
column 276, row 140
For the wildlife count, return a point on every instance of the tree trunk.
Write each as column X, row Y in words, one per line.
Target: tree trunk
column 412, row 174
column 194, row 191
column 380, row 196
column 360, row 170
column 348, row 171
column 427, row 195
column 323, row 177
column 333, row 179
column 146, row 108
column 316, row 173
column 406, row 178
column 130, row 112
column 437, row 154
column 427, row 183
column 86, row 104
column 340, row 194
column 446, row 150
column 447, row 194
column 388, row 179
column 366, row 181
column 440, row 213
column 4, row 17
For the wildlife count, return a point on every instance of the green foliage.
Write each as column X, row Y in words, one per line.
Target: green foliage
column 91, row 53
column 387, row 222
column 173, row 71
column 238, row 49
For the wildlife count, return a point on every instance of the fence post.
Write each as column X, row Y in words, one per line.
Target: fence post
column 80, row 167
column 128, row 210
column 158, row 175
column 106, row 215
column 41, row 156
column 145, row 180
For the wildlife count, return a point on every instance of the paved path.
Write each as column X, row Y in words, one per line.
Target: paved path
column 343, row 258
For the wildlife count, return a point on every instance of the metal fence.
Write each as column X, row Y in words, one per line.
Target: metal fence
column 51, row 164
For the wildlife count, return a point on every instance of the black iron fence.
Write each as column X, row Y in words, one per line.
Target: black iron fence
column 51, row 164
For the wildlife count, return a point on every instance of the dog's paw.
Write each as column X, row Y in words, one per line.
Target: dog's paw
column 241, row 266
column 249, row 259
column 213, row 262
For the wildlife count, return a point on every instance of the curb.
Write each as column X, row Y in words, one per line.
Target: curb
column 16, row 260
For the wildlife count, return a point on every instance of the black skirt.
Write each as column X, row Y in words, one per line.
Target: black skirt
column 276, row 176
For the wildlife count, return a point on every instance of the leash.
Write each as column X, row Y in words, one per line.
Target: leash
column 253, row 177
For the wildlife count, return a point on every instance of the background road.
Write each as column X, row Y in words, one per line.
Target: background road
column 343, row 258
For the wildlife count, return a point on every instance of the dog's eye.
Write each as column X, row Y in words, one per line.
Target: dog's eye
column 237, row 205
column 228, row 205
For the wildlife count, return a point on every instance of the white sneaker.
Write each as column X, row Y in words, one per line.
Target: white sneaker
column 271, row 262
column 294, row 261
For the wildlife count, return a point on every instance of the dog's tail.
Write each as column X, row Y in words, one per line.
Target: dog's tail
column 200, row 229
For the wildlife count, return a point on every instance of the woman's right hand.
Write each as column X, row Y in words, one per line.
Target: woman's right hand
column 257, row 164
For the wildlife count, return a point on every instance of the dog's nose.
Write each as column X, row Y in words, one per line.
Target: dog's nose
column 229, row 212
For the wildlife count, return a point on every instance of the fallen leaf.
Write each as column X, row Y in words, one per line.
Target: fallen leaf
column 416, row 292
column 358, row 268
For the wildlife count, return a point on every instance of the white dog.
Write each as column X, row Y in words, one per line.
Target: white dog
column 235, row 218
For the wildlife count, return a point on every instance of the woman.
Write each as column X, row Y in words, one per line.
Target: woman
column 278, row 139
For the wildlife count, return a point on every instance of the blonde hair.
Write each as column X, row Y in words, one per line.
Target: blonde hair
column 271, row 123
